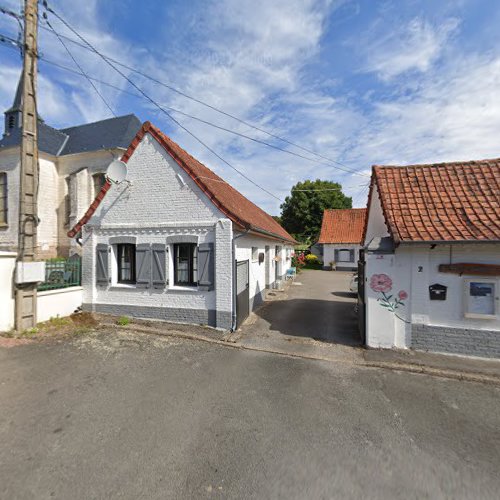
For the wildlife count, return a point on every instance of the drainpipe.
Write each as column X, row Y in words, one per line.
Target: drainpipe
column 233, row 325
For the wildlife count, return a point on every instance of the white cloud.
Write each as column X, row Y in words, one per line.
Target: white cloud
column 414, row 47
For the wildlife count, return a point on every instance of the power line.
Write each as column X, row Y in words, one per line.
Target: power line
column 225, row 113
column 79, row 67
column 156, row 104
column 78, row 73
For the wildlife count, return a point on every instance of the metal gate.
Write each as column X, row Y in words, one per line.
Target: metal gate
column 361, row 297
column 242, row 292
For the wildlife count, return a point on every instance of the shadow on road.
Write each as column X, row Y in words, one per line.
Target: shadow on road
column 325, row 320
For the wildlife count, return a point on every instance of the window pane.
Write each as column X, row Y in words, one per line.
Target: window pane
column 481, row 298
column 344, row 256
column 126, row 263
column 3, row 197
column 186, row 264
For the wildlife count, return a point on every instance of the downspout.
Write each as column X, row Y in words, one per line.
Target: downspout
column 233, row 323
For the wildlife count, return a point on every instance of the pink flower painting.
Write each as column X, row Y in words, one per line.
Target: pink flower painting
column 382, row 284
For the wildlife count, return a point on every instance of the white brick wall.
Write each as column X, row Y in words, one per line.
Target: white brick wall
column 160, row 203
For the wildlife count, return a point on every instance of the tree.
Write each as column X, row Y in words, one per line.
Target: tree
column 302, row 211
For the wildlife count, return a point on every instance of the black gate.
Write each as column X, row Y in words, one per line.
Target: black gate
column 242, row 292
column 361, row 297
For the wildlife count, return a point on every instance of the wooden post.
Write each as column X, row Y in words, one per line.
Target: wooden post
column 26, row 295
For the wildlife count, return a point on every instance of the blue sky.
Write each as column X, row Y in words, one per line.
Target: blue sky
column 361, row 82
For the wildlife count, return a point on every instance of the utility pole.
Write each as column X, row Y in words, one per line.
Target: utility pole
column 26, row 293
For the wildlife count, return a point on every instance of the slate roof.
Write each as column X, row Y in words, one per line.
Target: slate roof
column 228, row 200
column 343, row 226
column 110, row 133
column 452, row 202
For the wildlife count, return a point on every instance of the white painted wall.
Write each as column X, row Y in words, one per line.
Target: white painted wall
column 48, row 197
column 58, row 303
column 329, row 255
column 376, row 226
column 7, row 303
column 9, row 163
column 413, row 268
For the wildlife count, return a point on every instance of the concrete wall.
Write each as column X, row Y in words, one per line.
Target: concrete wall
column 413, row 268
column 58, row 303
column 160, row 205
column 329, row 256
column 7, row 303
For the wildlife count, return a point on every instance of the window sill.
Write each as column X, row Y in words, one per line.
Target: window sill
column 121, row 286
column 3, row 225
column 178, row 288
column 480, row 316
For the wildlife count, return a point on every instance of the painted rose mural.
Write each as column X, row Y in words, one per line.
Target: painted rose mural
column 382, row 284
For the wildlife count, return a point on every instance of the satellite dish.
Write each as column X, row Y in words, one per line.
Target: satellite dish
column 117, row 171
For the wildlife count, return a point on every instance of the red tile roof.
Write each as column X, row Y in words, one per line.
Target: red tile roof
column 343, row 226
column 457, row 201
column 232, row 203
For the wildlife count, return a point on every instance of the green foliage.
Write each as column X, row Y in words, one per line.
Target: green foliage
column 302, row 211
column 123, row 321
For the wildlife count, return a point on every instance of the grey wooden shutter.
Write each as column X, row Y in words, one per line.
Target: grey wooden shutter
column 159, row 265
column 206, row 264
column 351, row 255
column 143, row 265
column 101, row 270
column 336, row 255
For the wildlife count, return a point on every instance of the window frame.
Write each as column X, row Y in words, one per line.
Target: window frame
column 255, row 254
column 192, row 264
column 466, row 294
column 4, row 194
column 348, row 250
column 120, row 247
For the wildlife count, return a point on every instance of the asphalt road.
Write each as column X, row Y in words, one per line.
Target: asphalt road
column 135, row 416
column 318, row 306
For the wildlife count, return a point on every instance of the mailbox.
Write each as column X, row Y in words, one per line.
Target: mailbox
column 437, row 292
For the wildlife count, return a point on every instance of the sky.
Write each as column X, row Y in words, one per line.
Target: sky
column 360, row 82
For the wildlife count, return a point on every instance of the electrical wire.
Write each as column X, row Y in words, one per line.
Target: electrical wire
column 218, row 110
column 150, row 99
column 81, row 69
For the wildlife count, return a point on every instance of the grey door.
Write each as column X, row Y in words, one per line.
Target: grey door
column 267, row 266
column 361, row 298
column 242, row 292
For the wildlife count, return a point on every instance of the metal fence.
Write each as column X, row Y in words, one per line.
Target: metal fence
column 62, row 273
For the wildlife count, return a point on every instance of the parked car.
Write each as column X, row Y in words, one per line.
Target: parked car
column 354, row 284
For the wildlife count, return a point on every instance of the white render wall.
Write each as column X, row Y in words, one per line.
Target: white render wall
column 376, row 226
column 414, row 268
column 9, row 163
column 58, row 303
column 48, row 201
column 7, row 303
column 329, row 255
column 257, row 272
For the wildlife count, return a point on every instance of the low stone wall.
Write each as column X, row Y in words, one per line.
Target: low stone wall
column 471, row 342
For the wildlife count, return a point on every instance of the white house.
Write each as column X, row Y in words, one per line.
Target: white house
column 176, row 242
column 432, row 258
column 341, row 237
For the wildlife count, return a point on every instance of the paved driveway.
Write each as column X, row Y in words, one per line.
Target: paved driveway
column 317, row 306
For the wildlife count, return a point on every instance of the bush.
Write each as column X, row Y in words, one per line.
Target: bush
column 312, row 259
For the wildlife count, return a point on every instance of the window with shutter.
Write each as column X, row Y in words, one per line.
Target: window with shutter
column 185, row 264
column 126, row 263
column 3, row 199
